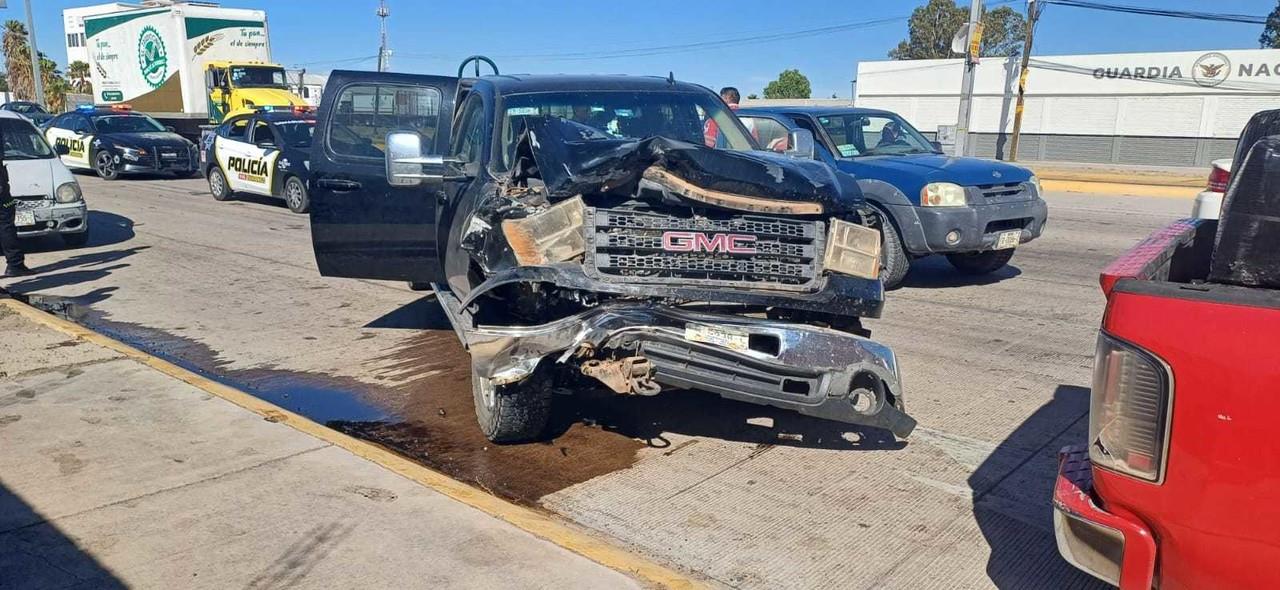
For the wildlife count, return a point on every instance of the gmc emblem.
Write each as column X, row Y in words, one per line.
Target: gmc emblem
column 692, row 241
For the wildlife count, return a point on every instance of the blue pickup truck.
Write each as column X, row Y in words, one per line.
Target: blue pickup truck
column 973, row 211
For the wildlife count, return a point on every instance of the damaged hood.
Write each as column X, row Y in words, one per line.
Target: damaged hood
column 573, row 159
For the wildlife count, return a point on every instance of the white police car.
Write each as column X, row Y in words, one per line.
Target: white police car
column 262, row 153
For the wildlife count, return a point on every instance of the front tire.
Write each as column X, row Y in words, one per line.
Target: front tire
column 105, row 165
column 511, row 413
column 295, row 195
column 218, row 186
column 980, row 263
column 894, row 262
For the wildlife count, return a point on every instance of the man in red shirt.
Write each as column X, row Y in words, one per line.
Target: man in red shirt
column 711, row 131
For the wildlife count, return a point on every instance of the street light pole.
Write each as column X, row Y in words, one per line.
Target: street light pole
column 1033, row 13
column 35, row 58
column 970, row 66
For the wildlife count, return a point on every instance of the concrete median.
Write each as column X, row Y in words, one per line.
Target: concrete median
column 1147, row 181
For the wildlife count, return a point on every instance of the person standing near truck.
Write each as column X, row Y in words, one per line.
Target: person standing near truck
column 711, row 131
column 15, row 262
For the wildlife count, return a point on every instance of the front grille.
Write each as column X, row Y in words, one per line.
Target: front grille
column 1003, row 193
column 627, row 246
column 32, row 201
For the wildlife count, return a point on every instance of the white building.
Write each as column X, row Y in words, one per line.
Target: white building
column 73, row 26
column 1174, row 109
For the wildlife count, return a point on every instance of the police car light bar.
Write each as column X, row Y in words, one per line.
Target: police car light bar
column 297, row 109
column 85, row 107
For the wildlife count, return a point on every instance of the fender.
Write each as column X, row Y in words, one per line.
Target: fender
column 899, row 210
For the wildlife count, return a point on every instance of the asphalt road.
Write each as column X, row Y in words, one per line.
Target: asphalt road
column 996, row 371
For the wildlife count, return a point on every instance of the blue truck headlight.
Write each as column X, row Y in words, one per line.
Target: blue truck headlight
column 852, row 249
column 942, row 194
column 68, row 192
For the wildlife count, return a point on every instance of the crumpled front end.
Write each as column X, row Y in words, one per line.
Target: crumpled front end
column 658, row 264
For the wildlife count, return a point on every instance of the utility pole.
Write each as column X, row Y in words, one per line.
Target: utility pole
column 384, row 54
column 35, row 58
column 974, row 50
column 1033, row 14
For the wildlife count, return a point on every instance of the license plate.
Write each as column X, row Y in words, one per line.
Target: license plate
column 169, row 155
column 728, row 338
column 22, row 218
column 1009, row 239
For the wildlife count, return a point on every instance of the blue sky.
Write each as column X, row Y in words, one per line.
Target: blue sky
column 432, row 36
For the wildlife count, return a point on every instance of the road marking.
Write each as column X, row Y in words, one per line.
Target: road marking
column 531, row 521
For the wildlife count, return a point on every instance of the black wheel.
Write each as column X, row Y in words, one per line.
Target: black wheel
column 894, row 262
column 105, row 166
column 295, row 195
column 218, row 186
column 980, row 263
column 511, row 413
column 76, row 240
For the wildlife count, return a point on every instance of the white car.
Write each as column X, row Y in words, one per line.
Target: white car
column 49, row 201
column 1209, row 201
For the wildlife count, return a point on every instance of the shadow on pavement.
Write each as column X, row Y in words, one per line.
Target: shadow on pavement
column 423, row 314
column 934, row 272
column 695, row 413
column 35, row 554
column 1013, row 492
column 105, row 229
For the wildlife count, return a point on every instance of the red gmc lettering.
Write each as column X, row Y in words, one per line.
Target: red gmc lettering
column 688, row 241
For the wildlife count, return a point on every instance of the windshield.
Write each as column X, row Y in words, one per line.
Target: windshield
column 874, row 135
column 693, row 117
column 126, row 124
column 257, row 77
column 296, row 133
column 22, row 142
column 26, row 107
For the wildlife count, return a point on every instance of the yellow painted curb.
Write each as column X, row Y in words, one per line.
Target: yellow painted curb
column 529, row 520
column 1116, row 188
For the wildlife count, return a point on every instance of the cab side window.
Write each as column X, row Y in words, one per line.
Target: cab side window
column 770, row 134
column 262, row 134
column 365, row 113
column 236, row 130
column 468, row 138
column 81, row 125
column 60, row 121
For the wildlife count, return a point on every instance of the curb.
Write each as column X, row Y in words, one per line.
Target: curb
column 1120, row 188
column 538, row 524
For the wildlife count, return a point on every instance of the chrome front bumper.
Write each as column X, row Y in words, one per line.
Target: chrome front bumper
column 812, row 370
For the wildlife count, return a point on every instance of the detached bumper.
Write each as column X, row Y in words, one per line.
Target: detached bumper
column 807, row 369
column 978, row 227
column 1113, row 548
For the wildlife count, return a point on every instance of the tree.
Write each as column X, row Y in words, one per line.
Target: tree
column 78, row 72
column 932, row 26
column 17, row 60
column 55, row 86
column 752, row 96
column 1270, row 38
column 790, row 84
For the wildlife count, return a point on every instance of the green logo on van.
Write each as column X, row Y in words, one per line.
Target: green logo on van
column 152, row 57
column 112, row 96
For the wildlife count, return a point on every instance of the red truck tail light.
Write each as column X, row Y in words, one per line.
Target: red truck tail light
column 1129, row 410
column 1219, row 178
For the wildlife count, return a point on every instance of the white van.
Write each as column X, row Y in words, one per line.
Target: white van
column 48, row 197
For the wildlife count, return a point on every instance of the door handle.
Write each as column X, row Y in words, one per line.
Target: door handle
column 338, row 185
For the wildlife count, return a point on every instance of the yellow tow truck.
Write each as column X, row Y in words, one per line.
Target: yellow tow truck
column 239, row 87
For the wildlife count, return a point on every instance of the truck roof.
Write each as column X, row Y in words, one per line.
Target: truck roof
column 816, row 111
column 520, row 83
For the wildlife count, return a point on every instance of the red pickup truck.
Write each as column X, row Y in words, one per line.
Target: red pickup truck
column 1179, row 484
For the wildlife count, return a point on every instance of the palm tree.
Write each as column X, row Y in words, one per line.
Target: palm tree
column 17, row 60
column 78, row 72
column 55, row 86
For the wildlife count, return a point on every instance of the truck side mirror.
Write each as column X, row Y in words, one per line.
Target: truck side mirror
column 406, row 164
column 800, row 144
column 937, row 146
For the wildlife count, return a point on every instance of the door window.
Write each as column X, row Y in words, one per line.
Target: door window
column 468, row 140
column 81, row 125
column 770, row 134
column 60, row 122
column 236, row 130
column 262, row 135
column 365, row 113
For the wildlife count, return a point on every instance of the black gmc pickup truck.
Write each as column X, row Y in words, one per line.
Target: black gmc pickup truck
column 580, row 227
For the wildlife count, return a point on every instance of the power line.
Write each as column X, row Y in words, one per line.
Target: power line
column 1191, row 14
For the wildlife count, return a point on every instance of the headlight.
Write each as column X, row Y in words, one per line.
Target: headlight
column 1036, row 183
column 853, row 250
column 68, row 192
column 1129, row 410
column 133, row 154
column 551, row 235
column 942, row 194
